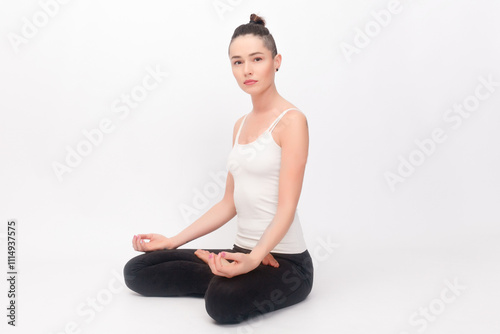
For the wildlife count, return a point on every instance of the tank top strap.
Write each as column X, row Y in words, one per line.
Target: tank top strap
column 271, row 128
column 239, row 130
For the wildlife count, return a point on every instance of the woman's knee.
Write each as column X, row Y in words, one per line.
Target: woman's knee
column 130, row 272
column 233, row 300
column 223, row 302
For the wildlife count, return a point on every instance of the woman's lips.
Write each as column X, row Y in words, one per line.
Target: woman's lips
column 250, row 82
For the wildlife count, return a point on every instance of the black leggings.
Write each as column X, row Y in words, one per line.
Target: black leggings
column 179, row 272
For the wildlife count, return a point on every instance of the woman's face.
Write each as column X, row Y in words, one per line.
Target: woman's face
column 252, row 63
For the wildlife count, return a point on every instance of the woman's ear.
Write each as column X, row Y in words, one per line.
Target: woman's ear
column 277, row 61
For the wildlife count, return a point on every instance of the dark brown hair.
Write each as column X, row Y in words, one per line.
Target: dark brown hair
column 257, row 27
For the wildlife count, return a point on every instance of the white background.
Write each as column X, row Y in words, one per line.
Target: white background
column 395, row 248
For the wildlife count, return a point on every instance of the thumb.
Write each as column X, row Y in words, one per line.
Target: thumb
column 145, row 245
column 231, row 256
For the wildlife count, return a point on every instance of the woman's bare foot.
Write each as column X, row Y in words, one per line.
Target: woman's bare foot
column 269, row 260
column 203, row 254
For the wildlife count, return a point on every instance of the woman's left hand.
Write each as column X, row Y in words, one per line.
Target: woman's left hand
column 242, row 264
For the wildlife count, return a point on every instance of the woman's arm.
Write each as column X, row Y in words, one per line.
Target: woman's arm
column 294, row 151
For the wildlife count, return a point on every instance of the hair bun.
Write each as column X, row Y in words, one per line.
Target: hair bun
column 254, row 18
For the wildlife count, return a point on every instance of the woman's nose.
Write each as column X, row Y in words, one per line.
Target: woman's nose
column 248, row 68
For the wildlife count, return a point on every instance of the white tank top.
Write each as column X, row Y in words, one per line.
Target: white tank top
column 255, row 168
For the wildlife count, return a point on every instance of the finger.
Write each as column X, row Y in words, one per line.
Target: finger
column 226, row 268
column 146, row 236
column 140, row 243
column 136, row 243
column 214, row 266
column 232, row 256
column 145, row 245
column 211, row 263
column 218, row 262
column 133, row 242
column 222, row 260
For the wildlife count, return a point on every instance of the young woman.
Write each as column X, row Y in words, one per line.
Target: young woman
column 269, row 266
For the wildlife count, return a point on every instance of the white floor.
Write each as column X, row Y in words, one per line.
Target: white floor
column 358, row 290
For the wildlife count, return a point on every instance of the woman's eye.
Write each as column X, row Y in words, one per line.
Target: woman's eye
column 236, row 62
column 258, row 58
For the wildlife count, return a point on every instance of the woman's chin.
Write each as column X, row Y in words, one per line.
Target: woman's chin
column 250, row 90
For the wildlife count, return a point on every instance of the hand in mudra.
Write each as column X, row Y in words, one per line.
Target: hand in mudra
column 156, row 242
column 269, row 260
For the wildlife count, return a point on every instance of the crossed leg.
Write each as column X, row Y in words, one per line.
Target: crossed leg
column 168, row 273
column 262, row 290
column 184, row 272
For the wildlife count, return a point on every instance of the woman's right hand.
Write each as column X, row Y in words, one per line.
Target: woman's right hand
column 156, row 242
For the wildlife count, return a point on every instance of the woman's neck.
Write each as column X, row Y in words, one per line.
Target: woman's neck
column 266, row 101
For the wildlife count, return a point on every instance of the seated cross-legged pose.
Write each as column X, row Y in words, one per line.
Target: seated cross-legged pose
column 269, row 267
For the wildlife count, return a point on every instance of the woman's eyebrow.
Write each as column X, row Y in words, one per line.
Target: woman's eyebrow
column 252, row 54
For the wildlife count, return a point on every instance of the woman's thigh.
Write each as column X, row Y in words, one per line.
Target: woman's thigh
column 169, row 272
column 262, row 290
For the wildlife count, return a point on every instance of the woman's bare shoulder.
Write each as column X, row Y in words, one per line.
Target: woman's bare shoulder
column 294, row 115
